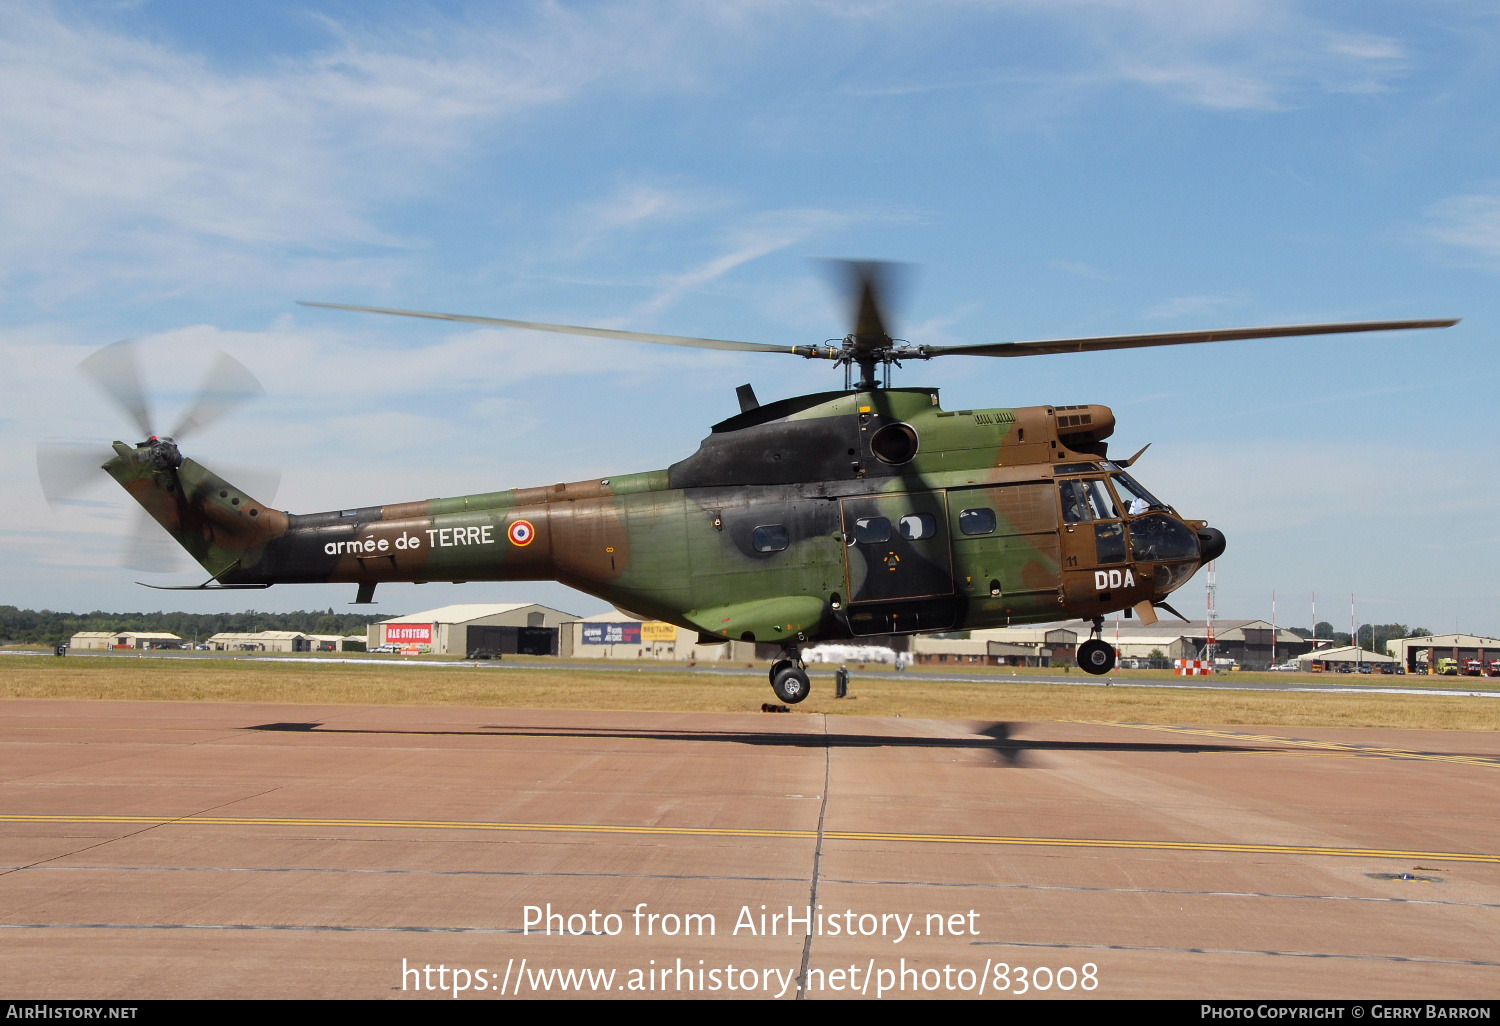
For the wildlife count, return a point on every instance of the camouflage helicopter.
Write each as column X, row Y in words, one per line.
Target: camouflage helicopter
column 831, row 516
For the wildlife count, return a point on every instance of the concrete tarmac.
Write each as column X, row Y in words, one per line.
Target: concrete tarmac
column 165, row 850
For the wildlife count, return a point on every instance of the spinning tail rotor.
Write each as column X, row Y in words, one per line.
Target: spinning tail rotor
column 69, row 471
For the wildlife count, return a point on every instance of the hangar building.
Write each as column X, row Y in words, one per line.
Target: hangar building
column 1247, row 642
column 1421, row 655
column 474, row 629
column 616, row 635
column 280, row 641
column 1346, row 658
column 1047, row 650
column 97, row 640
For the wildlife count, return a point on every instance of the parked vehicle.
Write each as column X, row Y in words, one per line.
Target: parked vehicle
column 1447, row 667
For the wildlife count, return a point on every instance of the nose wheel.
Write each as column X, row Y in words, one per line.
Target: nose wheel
column 789, row 679
column 1094, row 655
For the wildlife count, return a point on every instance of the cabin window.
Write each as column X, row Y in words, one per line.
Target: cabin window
column 916, row 526
column 977, row 521
column 872, row 530
column 771, row 538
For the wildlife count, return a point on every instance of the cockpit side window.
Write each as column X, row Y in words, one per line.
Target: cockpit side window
column 1100, row 500
column 1074, row 505
column 1086, row 500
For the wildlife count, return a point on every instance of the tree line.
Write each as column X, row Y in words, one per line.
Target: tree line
column 47, row 627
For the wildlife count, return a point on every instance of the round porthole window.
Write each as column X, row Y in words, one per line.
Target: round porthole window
column 894, row 443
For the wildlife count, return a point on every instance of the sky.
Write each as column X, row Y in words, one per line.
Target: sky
column 181, row 173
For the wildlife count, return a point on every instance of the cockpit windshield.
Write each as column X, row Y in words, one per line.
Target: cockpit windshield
column 1135, row 498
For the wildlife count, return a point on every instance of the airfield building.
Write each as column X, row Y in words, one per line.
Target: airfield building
column 1041, row 647
column 107, row 640
column 1422, row 655
column 472, row 629
column 1344, row 659
column 1250, row 643
column 616, row 635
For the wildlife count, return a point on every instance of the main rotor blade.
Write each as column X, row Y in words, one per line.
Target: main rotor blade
column 568, row 329
column 116, row 372
column 1170, row 338
column 870, row 278
column 226, row 387
column 872, row 286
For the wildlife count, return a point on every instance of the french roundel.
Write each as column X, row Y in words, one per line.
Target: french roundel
column 521, row 532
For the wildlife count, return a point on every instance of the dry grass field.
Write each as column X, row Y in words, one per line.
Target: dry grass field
column 535, row 685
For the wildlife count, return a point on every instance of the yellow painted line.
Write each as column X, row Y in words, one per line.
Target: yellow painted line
column 833, row 835
column 1329, row 746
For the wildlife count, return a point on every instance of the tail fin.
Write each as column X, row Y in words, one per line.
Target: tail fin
column 219, row 525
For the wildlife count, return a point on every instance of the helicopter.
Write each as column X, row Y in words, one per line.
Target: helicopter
column 865, row 511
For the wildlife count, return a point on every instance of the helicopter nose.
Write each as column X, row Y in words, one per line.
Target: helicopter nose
column 1210, row 544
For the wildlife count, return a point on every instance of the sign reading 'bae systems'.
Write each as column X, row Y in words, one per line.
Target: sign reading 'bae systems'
column 408, row 633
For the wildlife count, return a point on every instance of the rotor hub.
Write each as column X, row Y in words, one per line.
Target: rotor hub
column 162, row 453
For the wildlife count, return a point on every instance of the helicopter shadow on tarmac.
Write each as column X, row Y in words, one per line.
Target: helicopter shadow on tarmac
column 995, row 738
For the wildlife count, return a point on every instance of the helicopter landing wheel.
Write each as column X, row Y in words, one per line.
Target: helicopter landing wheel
column 1096, row 657
column 790, row 682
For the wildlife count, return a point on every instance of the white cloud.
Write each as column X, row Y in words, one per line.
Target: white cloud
column 124, row 150
column 1470, row 223
column 1365, row 47
column 355, row 387
column 639, row 205
column 1348, row 496
column 1078, row 268
column 1192, row 306
column 130, row 164
column 126, row 157
column 934, row 330
column 1225, row 54
column 762, row 235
